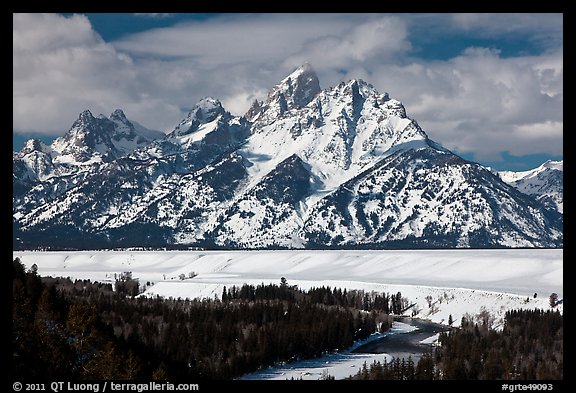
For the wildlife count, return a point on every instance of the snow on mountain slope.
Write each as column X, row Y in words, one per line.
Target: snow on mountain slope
column 124, row 187
column 544, row 182
column 269, row 212
column 511, row 176
column 338, row 132
column 429, row 195
column 33, row 163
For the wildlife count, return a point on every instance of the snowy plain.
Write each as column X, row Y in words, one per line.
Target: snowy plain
column 458, row 281
column 440, row 283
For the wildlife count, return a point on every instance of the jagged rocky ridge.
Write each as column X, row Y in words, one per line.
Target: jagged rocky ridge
column 342, row 167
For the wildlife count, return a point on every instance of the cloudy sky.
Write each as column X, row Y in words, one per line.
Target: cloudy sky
column 487, row 86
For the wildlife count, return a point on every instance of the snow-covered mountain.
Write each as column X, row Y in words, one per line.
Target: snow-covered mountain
column 90, row 140
column 545, row 183
column 305, row 167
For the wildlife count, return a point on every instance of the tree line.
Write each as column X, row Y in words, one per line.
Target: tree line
column 358, row 299
column 85, row 330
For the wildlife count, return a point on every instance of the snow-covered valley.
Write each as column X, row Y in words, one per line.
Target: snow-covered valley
column 440, row 282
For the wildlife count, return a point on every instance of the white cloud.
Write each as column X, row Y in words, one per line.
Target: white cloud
column 31, row 34
column 62, row 67
column 380, row 38
column 478, row 102
column 231, row 39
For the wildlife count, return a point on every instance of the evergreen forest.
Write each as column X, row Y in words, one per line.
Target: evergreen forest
column 85, row 330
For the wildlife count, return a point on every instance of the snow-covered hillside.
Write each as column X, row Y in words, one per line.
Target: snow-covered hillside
column 544, row 182
column 440, row 282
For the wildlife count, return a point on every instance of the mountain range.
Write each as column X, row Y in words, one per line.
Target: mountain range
column 343, row 167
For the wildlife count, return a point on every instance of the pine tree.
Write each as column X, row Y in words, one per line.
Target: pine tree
column 133, row 366
column 160, row 373
column 364, row 374
column 410, row 371
column 425, row 368
column 80, row 322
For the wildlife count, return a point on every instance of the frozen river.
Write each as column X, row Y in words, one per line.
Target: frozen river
column 407, row 337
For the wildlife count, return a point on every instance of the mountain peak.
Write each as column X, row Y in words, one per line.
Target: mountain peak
column 298, row 88
column 118, row 114
column 33, row 145
column 86, row 116
column 205, row 111
column 293, row 92
column 123, row 127
column 304, row 69
column 544, row 182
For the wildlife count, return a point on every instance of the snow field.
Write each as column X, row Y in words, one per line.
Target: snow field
column 440, row 282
